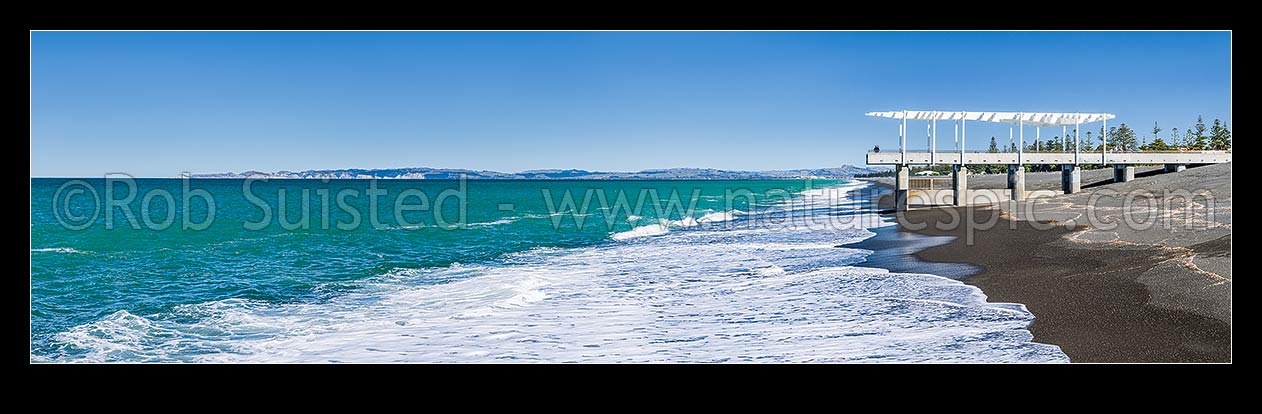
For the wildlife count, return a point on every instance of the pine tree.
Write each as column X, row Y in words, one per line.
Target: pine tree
column 994, row 146
column 1174, row 137
column 1122, row 138
column 1214, row 133
column 1200, row 141
column 1220, row 137
column 1226, row 140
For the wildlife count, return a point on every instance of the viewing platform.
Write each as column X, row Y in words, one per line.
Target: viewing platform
column 947, row 158
column 1070, row 161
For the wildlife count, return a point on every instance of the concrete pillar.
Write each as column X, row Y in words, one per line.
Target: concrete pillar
column 1016, row 181
column 1123, row 173
column 959, row 183
column 1070, row 178
column 902, row 175
column 1175, row 167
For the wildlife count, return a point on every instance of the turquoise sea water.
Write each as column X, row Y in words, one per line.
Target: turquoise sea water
column 486, row 271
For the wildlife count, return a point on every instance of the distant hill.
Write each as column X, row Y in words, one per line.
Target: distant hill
column 425, row 173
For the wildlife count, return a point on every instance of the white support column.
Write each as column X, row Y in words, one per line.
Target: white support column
column 959, row 184
column 1010, row 141
column 1123, row 173
column 900, row 135
column 1070, row 178
column 1038, row 139
column 963, row 135
column 1021, row 145
column 1104, row 155
column 1016, row 181
column 933, row 142
column 902, row 139
column 901, row 187
column 1062, row 138
column 1077, row 130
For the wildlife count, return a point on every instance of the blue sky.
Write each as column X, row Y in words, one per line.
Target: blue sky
column 161, row 103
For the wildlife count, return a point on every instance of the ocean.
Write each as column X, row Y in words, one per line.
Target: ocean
column 227, row 270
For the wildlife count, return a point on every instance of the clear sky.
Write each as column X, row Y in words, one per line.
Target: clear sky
column 161, row 103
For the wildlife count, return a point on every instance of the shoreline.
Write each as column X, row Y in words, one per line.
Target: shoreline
column 1087, row 299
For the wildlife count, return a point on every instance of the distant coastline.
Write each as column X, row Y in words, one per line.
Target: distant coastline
column 426, row 173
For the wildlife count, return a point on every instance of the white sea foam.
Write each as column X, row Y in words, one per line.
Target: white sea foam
column 569, row 213
column 58, row 250
column 656, row 229
column 718, row 216
column 409, row 227
column 697, row 294
column 493, row 223
column 664, row 226
column 682, row 223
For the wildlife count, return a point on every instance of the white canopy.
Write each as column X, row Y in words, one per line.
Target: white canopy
column 1026, row 118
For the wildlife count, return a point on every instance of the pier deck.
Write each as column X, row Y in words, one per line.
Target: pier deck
column 974, row 158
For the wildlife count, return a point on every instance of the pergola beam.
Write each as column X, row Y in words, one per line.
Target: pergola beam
column 1025, row 118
